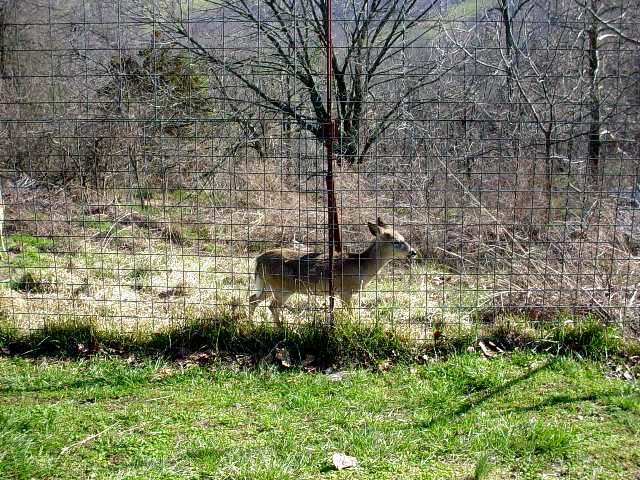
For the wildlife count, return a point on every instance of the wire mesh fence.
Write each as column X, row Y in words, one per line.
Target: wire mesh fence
column 151, row 150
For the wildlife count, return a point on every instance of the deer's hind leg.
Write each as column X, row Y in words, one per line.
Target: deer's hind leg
column 263, row 294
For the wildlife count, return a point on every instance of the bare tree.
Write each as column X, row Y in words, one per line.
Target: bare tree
column 600, row 29
column 378, row 38
column 5, row 6
column 593, row 7
column 511, row 13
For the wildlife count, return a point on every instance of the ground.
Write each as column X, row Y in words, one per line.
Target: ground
column 521, row 415
column 131, row 280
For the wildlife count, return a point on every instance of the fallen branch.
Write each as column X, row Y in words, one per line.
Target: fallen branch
column 85, row 440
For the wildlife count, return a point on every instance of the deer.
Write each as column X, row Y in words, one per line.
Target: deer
column 281, row 272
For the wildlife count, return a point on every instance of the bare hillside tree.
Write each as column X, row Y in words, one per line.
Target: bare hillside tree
column 377, row 41
column 602, row 42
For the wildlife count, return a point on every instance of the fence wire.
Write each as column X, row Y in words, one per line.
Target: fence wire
column 151, row 150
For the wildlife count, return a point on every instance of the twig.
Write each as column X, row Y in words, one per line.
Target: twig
column 107, row 235
column 86, row 440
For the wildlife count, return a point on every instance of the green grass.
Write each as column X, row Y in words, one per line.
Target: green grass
column 29, row 251
column 103, row 226
column 482, row 468
column 30, row 242
column 29, row 263
column 468, row 9
column 524, row 416
column 348, row 342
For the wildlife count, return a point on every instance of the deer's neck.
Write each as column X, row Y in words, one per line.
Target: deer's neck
column 371, row 261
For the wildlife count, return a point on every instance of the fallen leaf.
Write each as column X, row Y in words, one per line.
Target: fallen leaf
column 342, row 461
column 337, row 376
column 161, row 374
column 201, row 358
column 627, row 375
column 441, row 279
column 385, row 366
column 495, row 347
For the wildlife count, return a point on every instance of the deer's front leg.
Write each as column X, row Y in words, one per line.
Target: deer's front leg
column 347, row 299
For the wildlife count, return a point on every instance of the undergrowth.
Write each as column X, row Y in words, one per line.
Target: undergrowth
column 346, row 341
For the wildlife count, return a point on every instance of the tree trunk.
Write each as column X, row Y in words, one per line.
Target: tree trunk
column 3, row 41
column 509, row 44
column 595, row 142
column 548, row 170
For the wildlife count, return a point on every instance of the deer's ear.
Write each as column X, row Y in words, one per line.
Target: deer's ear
column 374, row 229
column 381, row 223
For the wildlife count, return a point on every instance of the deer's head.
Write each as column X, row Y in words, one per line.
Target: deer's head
column 390, row 242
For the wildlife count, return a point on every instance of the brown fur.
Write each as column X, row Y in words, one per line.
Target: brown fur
column 284, row 271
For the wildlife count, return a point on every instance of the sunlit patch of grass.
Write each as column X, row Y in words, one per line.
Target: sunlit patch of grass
column 530, row 443
column 587, row 337
column 482, row 468
column 25, row 242
column 29, row 259
column 97, row 265
column 540, row 439
column 102, row 226
column 28, row 251
column 626, row 403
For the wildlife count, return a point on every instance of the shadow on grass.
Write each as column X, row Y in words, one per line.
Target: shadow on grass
column 73, row 385
column 487, row 395
column 561, row 399
column 557, row 399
